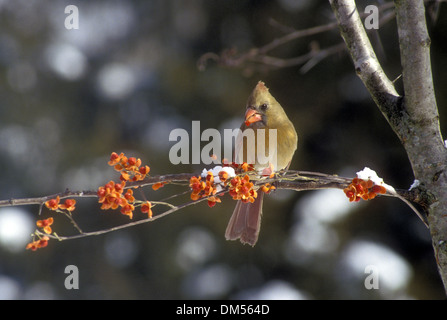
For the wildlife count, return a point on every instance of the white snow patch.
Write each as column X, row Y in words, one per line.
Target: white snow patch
column 369, row 174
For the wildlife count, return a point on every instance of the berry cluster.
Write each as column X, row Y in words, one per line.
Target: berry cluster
column 45, row 224
column 112, row 195
column 363, row 189
column 204, row 189
column 231, row 176
column 130, row 168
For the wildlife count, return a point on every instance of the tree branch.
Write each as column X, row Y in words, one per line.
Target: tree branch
column 292, row 180
column 414, row 115
column 419, row 101
column 181, row 177
column 421, row 135
column 366, row 64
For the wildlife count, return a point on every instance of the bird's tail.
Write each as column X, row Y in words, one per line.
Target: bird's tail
column 245, row 222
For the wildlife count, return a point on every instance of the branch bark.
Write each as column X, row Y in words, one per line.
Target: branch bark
column 424, row 144
column 414, row 115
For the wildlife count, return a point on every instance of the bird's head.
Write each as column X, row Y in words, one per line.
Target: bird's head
column 262, row 108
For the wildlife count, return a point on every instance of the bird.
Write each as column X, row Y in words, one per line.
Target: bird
column 262, row 112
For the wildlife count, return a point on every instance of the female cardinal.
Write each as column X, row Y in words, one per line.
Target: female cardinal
column 262, row 112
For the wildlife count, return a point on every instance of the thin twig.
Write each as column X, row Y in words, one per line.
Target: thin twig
column 230, row 57
column 130, row 224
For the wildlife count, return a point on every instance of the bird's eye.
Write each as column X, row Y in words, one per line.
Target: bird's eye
column 263, row 106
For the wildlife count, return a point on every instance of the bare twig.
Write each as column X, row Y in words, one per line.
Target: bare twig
column 259, row 56
column 127, row 225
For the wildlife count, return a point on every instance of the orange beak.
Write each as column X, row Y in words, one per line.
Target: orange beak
column 252, row 116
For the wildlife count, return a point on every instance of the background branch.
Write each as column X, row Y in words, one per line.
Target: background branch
column 260, row 56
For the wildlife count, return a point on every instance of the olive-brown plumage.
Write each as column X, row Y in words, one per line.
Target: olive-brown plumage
column 262, row 112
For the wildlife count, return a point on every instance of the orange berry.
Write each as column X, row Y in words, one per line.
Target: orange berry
column 146, row 208
column 53, row 204
column 158, row 185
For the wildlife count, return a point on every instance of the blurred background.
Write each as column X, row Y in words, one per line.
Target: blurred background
column 125, row 79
